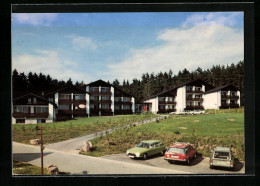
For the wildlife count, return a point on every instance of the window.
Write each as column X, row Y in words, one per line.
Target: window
column 64, row 107
column 41, row 120
column 18, row 108
column 161, row 98
column 170, row 106
column 170, row 98
column 34, row 100
column 117, row 99
column 126, row 107
column 126, row 99
column 105, row 106
column 94, row 89
column 38, row 109
column 96, row 98
column 50, row 99
column 20, row 120
column 105, row 89
column 161, row 106
column 64, row 96
column 106, row 98
column 26, row 109
column 189, row 88
column 198, row 88
column 29, row 100
column 45, row 109
column 91, row 106
column 117, row 107
column 79, row 97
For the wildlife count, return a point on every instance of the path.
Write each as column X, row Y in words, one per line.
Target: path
column 74, row 145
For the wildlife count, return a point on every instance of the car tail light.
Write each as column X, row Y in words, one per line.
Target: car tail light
column 211, row 161
column 231, row 163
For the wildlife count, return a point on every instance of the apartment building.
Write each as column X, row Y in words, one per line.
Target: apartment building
column 71, row 102
column 223, row 97
column 31, row 108
column 184, row 97
column 105, row 99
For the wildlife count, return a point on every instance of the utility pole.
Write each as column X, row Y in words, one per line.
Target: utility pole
column 42, row 147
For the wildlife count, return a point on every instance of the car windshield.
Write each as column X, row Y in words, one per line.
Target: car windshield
column 176, row 150
column 142, row 144
column 221, row 155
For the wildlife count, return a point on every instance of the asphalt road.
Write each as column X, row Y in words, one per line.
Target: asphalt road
column 200, row 165
column 77, row 164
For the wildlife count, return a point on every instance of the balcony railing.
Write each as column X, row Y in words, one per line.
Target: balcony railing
column 106, row 93
column 166, row 102
column 106, row 101
column 94, row 101
column 234, row 97
column 79, row 101
column 30, row 115
column 166, row 110
column 229, row 105
column 81, row 112
column 192, row 107
column 194, row 91
column 194, row 99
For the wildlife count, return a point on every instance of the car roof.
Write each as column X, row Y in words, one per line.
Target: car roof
column 226, row 149
column 150, row 141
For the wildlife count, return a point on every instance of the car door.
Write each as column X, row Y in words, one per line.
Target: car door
column 152, row 149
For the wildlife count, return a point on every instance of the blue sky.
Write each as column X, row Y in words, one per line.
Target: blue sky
column 91, row 46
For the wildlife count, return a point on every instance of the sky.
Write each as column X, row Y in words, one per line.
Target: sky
column 91, row 46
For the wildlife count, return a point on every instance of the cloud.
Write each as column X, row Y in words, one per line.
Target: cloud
column 214, row 18
column 196, row 46
column 44, row 19
column 49, row 62
column 80, row 42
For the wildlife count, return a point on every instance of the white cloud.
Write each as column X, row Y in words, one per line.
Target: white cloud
column 44, row 19
column 49, row 62
column 80, row 42
column 213, row 18
column 197, row 46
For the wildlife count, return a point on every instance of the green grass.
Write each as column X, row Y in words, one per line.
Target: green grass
column 59, row 131
column 27, row 169
column 205, row 131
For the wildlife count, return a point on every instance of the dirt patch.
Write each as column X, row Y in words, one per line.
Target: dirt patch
column 196, row 120
column 182, row 128
column 231, row 119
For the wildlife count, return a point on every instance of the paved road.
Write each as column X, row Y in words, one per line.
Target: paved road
column 79, row 164
column 197, row 166
column 74, row 145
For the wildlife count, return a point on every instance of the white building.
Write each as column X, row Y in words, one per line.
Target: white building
column 227, row 96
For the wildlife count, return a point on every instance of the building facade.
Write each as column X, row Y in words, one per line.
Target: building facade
column 223, row 97
column 32, row 109
column 194, row 95
column 105, row 99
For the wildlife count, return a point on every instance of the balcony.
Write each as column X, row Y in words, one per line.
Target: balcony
column 234, row 97
column 166, row 110
column 106, row 93
column 126, row 102
column 194, row 107
column 79, row 101
column 229, row 105
column 80, row 112
column 30, row 115
column 171, row 102
column 194, row 99
column 94, row 101
column 106, row 101
column 65, row 112
column 194, row 91
column 65, row 101
column 94, row 92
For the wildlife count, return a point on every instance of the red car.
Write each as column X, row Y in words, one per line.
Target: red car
column 180, row 152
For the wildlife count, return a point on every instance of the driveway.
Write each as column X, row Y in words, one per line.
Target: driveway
column 74, row 145
column 79, row 164
column 200, row 165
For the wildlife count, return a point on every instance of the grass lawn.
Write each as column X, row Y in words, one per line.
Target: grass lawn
column 59, row 131
column 205, row 131
column 27, row 169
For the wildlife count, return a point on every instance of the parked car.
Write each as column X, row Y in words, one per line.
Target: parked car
column 180, row 151
column 221, row 157
column 147, row 148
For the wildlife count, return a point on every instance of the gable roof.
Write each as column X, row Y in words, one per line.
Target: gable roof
column 220, row 88
column 34, row 95
column 64, row 88
column 178, row 86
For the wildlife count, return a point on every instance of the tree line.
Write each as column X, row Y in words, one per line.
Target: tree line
column 149, row 84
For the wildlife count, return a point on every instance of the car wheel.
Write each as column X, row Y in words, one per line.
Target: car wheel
column 145, row 156
column 170, row 161
column 162, row 152
column 211, row 167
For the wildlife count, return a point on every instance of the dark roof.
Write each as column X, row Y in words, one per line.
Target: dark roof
column 220, row 88
column 64, row 88
column 103, row 83
column 99, row 82
column 31, row 94
column 178, row 86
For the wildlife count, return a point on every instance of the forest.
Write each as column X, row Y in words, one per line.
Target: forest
column 149, row 84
